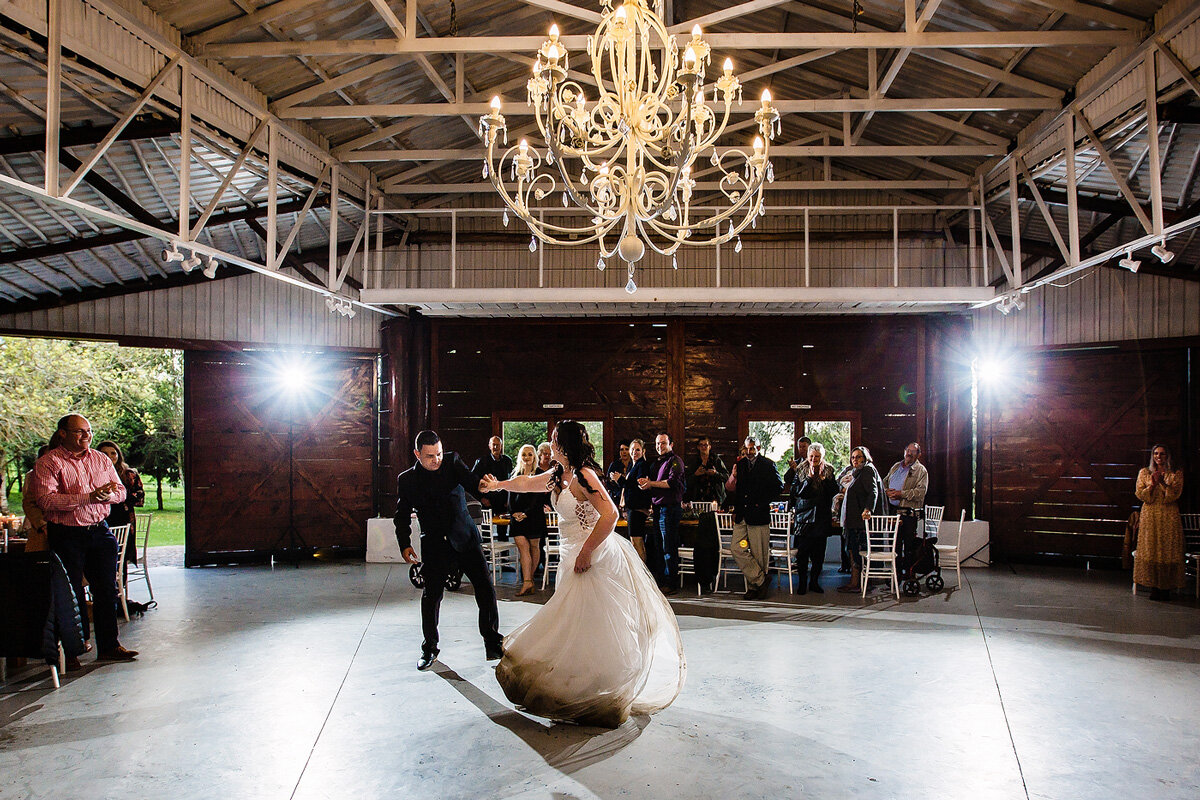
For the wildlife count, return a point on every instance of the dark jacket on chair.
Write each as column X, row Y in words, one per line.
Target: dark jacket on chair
column 37, row 608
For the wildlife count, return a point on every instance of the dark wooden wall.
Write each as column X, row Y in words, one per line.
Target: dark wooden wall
column 237, row 455
column 1062, row 440
column 692, row 376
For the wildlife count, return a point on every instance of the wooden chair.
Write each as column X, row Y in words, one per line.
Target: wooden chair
column 879, row 559
column 122, row 534
column 553, row 548
column 725, row 562
column 139, row 570
column 499, row 554
column 950, row 555
column 782, row 557
column 933, row 519
column 1191, row 547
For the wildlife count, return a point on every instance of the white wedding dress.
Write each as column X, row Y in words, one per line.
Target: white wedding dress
column 605, row 646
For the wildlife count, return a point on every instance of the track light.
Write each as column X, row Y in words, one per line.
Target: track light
column 340, row 305
column 1009, row 303
column 1129, row 262
column 330, row 303
column 210, row 267
column 1160, row 250
column 191, row 263
column 171, row 254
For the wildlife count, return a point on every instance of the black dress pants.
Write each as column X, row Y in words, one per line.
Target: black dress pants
column 810, row 555
column 438, row 560
column 91, row 552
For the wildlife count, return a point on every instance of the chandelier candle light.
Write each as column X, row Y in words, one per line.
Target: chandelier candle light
column 628, row 157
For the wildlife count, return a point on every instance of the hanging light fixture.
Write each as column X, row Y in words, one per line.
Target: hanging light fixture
column 628, row 156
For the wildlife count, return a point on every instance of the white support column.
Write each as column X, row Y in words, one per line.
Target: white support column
column 896, row 246
column 272, row 194
column 972, row 256
column 334, row 185
column 454, row 250
column 807, row 259
column 717, row 256
column 983, row 264
column 541, row 255
column 366, row 262
column 379, row 245
column 185, row 152
column 1072, row 189
column 53, row 92
column 1014, row 215
column 1153, row 160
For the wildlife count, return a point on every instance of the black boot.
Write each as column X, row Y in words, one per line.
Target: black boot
column 812, row 582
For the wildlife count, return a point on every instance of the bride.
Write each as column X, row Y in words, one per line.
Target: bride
column 606, row 645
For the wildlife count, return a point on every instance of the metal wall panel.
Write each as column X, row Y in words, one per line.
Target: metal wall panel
column 252, row 309
column 1106, row 306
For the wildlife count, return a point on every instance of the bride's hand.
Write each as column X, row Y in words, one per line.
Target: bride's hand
column 488, row 483
column 583, row 562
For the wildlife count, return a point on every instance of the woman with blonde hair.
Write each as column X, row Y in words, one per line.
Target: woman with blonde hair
column 1158, row 561
column 527, row 524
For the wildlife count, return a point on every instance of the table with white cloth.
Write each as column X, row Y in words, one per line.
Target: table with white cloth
column 975, row 549
column 382, row 547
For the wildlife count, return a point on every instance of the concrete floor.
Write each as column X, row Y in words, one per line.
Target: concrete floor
column 300, row 683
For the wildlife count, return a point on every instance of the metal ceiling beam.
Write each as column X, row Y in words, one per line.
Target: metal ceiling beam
column 958, row 295
column 967, row 40
column 781, row 151
column 784, row 186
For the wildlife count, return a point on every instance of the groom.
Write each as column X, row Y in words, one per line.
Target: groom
column 436, row 488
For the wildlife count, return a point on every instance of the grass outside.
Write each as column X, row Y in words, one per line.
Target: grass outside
column 167, row 526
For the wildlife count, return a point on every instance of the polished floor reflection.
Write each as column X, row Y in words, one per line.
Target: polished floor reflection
column 300, row 683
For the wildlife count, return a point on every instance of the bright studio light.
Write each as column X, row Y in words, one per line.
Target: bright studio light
column 293, row 377
column 991, row 370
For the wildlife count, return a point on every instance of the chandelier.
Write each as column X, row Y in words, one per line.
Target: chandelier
column 628, row 156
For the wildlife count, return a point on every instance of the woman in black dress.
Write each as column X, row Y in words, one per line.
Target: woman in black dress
column 527, row 521
column 637, row 500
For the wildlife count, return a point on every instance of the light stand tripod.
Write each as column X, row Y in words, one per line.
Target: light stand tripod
column 295, row 542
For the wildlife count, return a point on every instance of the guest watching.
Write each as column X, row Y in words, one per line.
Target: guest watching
column 666, row 494
column 812, row 506
column 798, row 464
column 1158, row 562
column 637, row 500
column 74, row 486
column 757, row 484
column 907, row 482
column 528, row 520
column 500, row 466
column 706, row 475
column 614, row 476
column 135, row 497
column 862, row 497
column 34, row 527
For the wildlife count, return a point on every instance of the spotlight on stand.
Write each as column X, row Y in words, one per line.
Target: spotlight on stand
column 1129, row 262
column 191, row 263
column 171, row 254
column 210, row 267
column 1160, row 250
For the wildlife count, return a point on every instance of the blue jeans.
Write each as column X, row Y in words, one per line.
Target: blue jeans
column 666, row 534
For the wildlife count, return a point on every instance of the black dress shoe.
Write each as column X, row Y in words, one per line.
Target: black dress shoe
column 802, row 589
column 118, row 653
column 751, row 594
column 426, row 661
column 494, row 652
column 816, row 588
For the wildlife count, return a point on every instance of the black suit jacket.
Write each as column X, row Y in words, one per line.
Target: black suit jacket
column 440, row 500
column 863, row 495
column 757, row 487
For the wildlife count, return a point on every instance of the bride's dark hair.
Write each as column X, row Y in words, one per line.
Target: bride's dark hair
column 573, row 440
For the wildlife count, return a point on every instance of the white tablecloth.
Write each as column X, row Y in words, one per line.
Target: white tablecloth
column 382, row 547
column 976, row 550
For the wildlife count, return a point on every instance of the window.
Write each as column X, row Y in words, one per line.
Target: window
column 776, row 433
column 517, row 433
column 775, row 440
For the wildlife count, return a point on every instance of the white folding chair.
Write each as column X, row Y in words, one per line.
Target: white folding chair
column 950, row 555
column 725, row 562
column 687, row 564
column 1191, row 546
column 139, row 570
column 782, row 557
column 122, row 534
column 498, row 553
column 553, row 548
column 879, row 559
column 933, row 518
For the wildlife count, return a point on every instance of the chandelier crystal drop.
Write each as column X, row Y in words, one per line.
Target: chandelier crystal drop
column 635, row 145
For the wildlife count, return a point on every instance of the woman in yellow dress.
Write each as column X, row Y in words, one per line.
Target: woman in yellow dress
column 1159, row 559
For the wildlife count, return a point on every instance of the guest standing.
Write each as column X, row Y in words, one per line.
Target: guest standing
column 497, row 464
column 812, row 507
column 907, row 482
column 862, row 497
column 135, row 497
column 637, row 500
column 614, row 476
column 757, row 484
column 1158, row 562
column 527, row 525
column 706, row 475
column 74, row 486
column 798, row 464
column 666, row 494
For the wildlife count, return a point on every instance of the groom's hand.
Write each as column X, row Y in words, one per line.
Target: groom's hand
column 410, row 555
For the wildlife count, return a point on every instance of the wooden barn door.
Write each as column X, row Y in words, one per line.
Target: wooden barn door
column 241, row 417
column 1062, row 441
